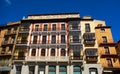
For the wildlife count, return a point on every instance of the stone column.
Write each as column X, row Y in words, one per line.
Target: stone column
column 46, row 69
column 13, row 71
column 68, row 69
column 57, row 69
column 36, row 69
column 71, row 69
column 25, row 69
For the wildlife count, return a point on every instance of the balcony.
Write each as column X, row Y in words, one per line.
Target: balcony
column 17, row 58
column 24, row 30
column 108, row 42
column 10, row 33
column 75, row 42
column 6, row 43
column 91, row 55
column 108, row 65
column 50, row 43
column 76, row 59
column 74, row 28
column 4, row 62
column 47, row 58
column 108, row 54
column 4, row 53
column 22, row 43
column 89, row 41
column 91, row 59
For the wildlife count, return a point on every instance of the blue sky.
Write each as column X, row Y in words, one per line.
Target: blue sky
column 107, row 10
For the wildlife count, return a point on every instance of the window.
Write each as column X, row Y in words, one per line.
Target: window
column 109, row 62
column 10, row 50
column 75, row 27
column 87, row 27
column 76, row 51
column 44, row 40
column 52, row 69
column 54, row 27
column 99, row 25
column 43, row 52
column 62, row 52
column 53, row 39
column 36, row 27
column 31, row 69
column 52, row 52
column 41, row 69
column 75, row 38
column 77, row 69
column 35, row 40
column 104, row 38
column 102, row 30
column 12, row 40
column 21, row 54
column 93, row 71
column 62, row 26
column 89, row 36
column 19, row 39
column 62, row 70
column 62, row 38
column 3, row 50
column 18, row 69
column 9, row 31
column 106, row 50
column 45, row 27
column 24, row 39
column 91, row 52
column 33, row 52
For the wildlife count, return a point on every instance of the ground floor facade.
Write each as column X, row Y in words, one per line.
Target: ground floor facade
column 56, row 68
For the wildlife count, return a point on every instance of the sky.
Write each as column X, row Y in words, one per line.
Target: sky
column 106, row 10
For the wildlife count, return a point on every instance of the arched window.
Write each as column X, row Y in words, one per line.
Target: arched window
column 93, row 71
column 62, row 52
column 43, row 52
column 33, row 52
column 52, row 52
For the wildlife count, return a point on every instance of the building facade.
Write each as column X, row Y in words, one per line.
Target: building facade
column 107, row 51
column 62, row 43
column 8, row 35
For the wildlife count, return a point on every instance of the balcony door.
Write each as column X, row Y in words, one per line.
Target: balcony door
column 21, row 54
column 53, row 39
column 76, row 38
column 35, row 40
column 44, row 40
column 106, row 50
column 62, row 38
column 109, row 62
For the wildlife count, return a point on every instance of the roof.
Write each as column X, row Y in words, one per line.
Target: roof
column 54, row 14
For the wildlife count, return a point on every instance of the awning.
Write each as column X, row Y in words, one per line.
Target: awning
column 5, row 68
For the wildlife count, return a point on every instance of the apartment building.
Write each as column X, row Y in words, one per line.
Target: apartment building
column 8, row 35
column 62, row 43
column 107, row 51
column 118, row 51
